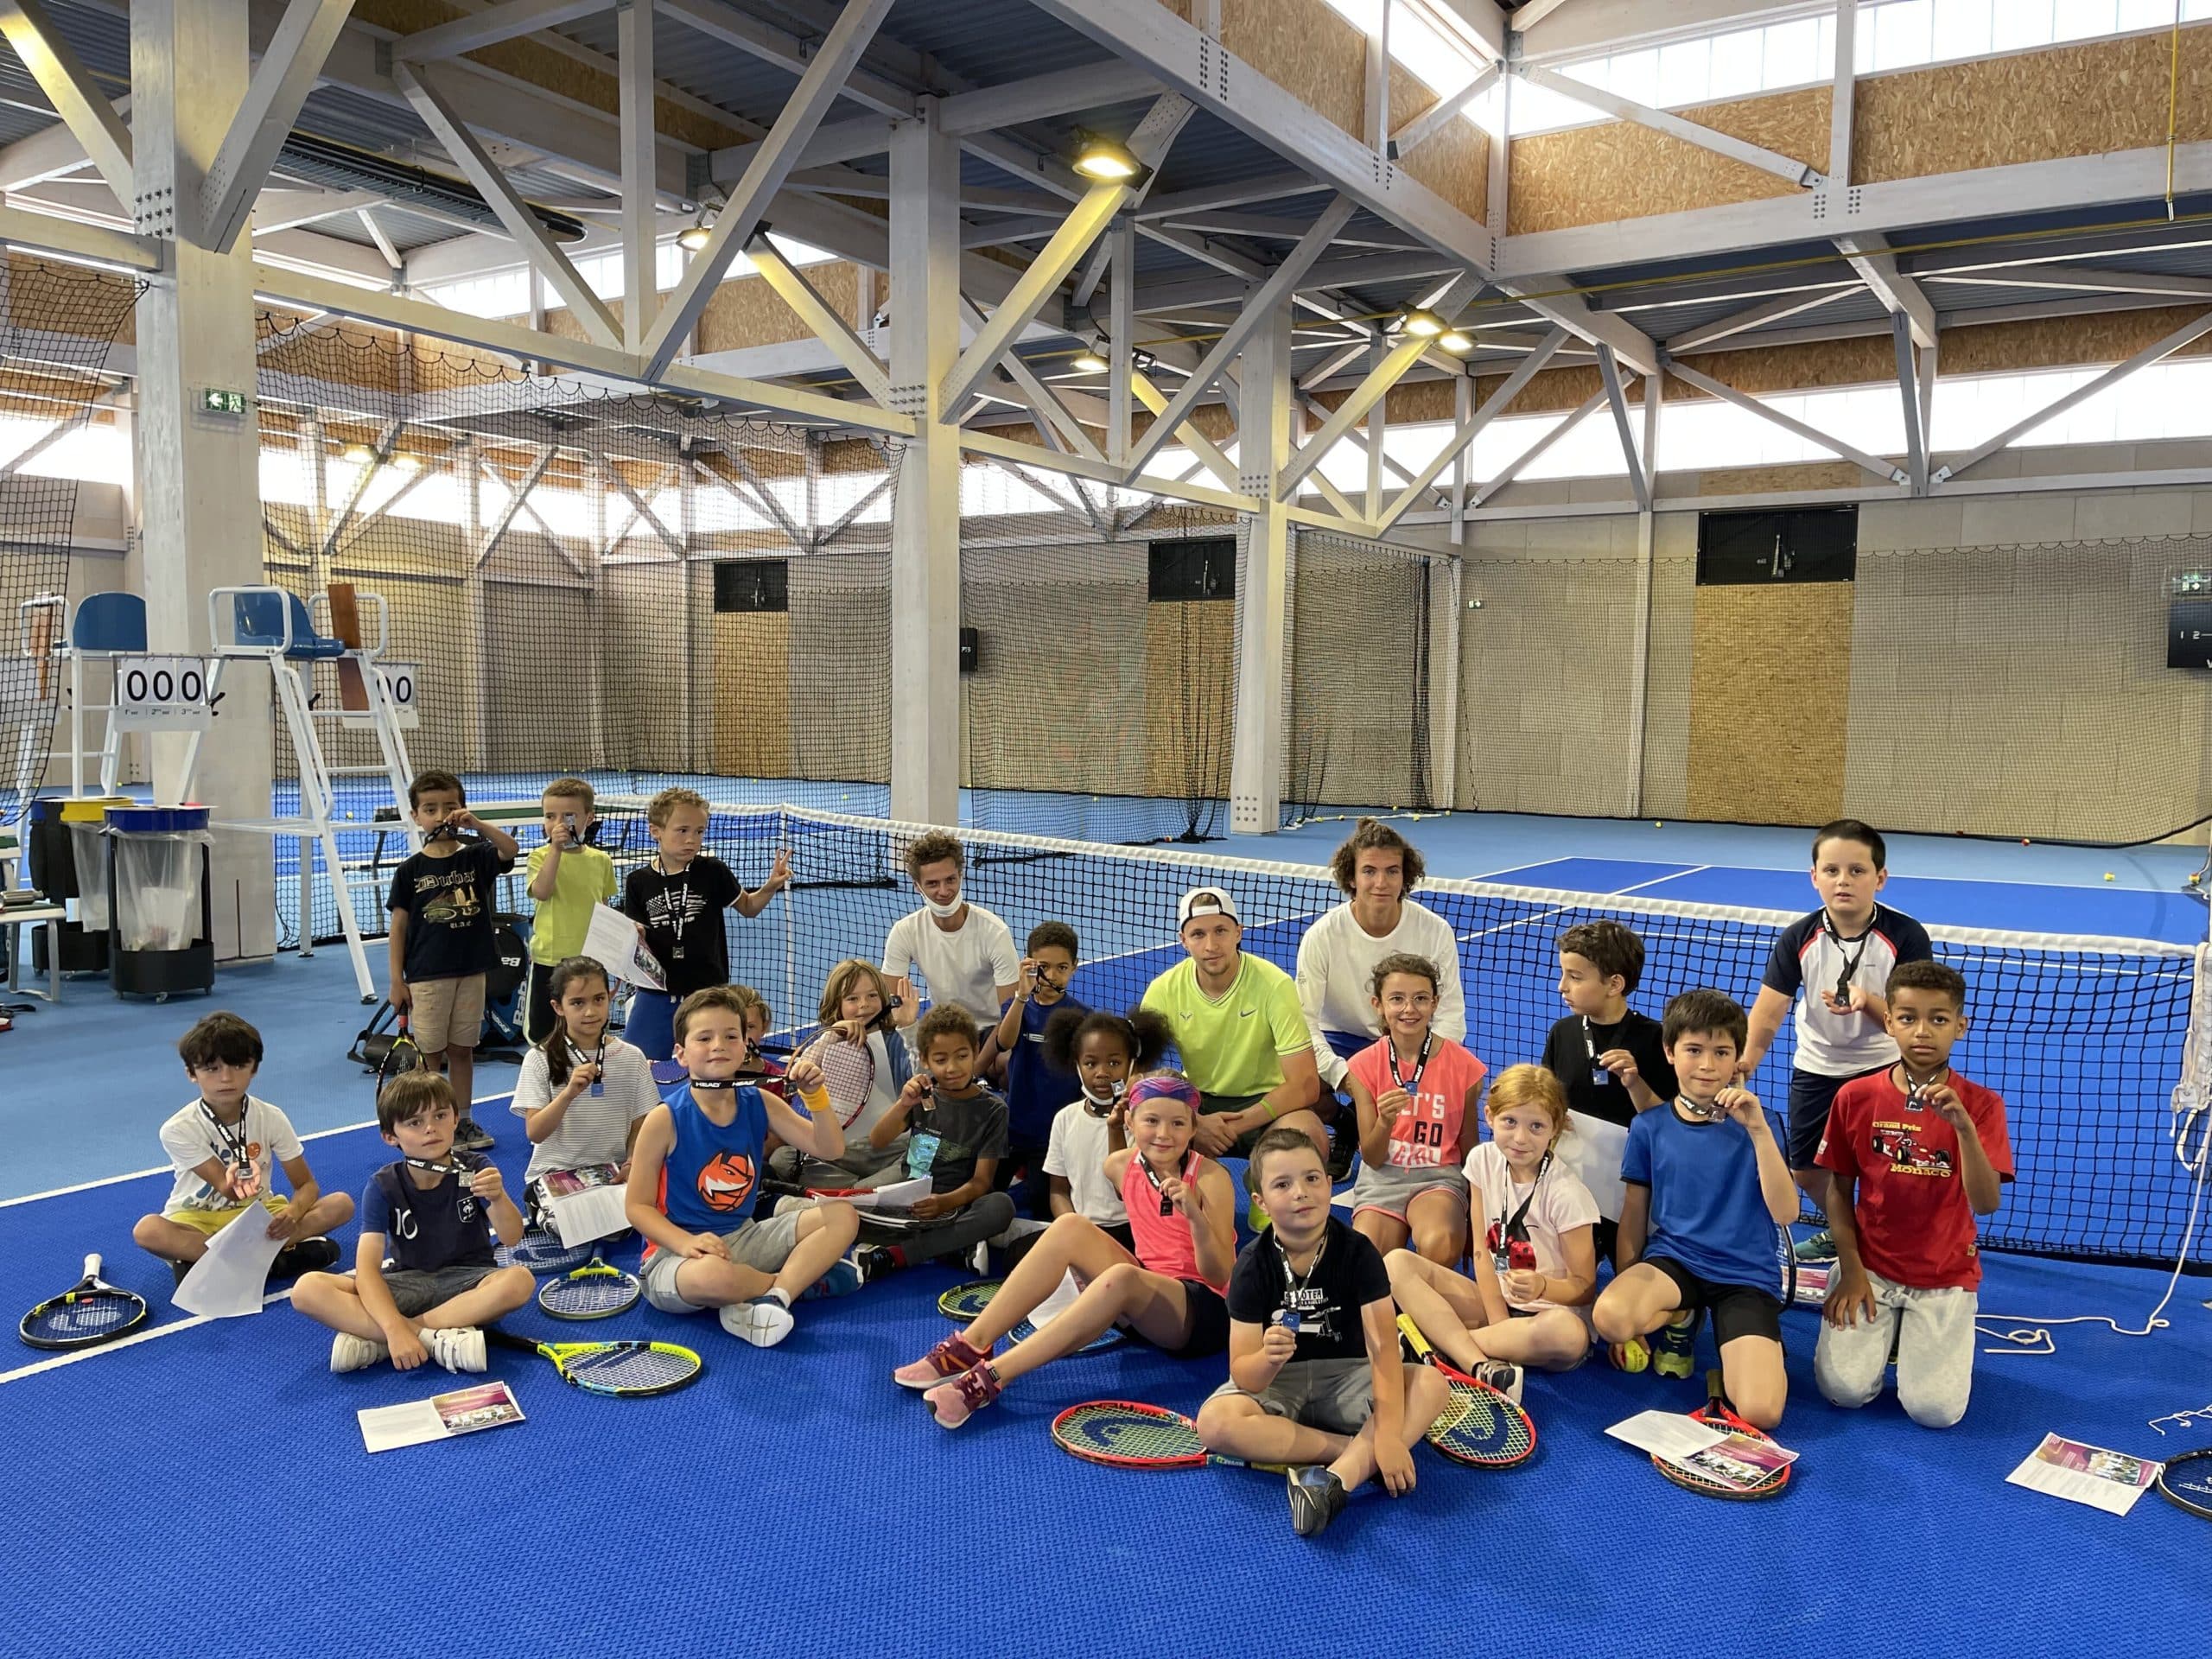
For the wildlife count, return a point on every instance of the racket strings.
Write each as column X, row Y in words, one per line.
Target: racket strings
column 1476, row 1425
column 1117, row 1431
column 624, row 1370
column 599, row 1293
column 90, row 1315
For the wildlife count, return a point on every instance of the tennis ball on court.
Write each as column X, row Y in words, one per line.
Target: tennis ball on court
column 2024, row 841
column 2107, row 875
column 1658, row 823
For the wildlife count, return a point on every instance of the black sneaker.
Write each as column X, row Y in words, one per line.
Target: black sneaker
column 873, row 1262
column 1341, row 1145
column 308, row 1256
column 178, row 1269
column 1316, row 1495
column 470, row 1136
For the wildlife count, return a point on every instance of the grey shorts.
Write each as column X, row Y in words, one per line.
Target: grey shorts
column 1390, row 1189
column 1334, row 1395
column 764, row 1244
column 417, row 1290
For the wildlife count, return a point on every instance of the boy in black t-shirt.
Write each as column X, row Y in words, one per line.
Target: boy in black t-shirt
column 956, row 1135
column 442, row 942
column 677, row 902
column 1609, row 1057
column 1314, row 1376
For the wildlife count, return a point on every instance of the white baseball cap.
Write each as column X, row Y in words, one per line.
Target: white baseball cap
column 1206, row 901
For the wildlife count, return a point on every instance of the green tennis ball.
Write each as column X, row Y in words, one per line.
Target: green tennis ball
column 2107, row 875
column 1658, row 823
column 1631, row 1356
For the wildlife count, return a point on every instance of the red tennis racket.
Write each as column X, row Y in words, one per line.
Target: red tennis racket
column 1129, row 1434
column 848, row 1072
column 1725, row 1477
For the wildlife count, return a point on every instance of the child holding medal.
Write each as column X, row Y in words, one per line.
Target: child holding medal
column 581, row 1093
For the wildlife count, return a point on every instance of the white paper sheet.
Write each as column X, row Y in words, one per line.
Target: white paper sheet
column 234, row 1276
column 1593, row 1152
column 1058, row 1303
column 443, row 1416
column 596, row 1213
column 1668, row 1433
column 611, row 939
column 899, row 1196
column 2111, row 1481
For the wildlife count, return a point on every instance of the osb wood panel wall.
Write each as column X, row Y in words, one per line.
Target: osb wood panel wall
column 2085, row 99
column 1770, row 701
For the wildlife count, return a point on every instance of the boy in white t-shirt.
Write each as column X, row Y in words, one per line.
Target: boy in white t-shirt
column 222, row 1148
column 964, row 953
column 1535, row 1266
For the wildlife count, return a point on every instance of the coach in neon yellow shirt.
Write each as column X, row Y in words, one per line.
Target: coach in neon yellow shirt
column 1240, row 1031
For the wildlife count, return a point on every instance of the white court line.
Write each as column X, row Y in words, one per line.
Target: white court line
column 1590, row 903
column 59, row 1360
column 164, row 1169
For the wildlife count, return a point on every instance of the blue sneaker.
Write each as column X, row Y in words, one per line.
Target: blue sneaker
column 1674, row 1346
column 842, row 1280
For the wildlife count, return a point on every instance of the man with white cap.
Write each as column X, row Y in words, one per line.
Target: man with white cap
column 1240, row 1031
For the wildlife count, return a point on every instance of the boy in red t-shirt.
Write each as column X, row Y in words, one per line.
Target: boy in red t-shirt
column 1918, row 1151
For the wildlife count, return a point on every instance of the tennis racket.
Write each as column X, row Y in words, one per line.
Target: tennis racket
column 401, row 1056
column 966, row 1303
column 1125, row 1434
column 89, row 1312
column 624, row 1370
column 543, row 1253
column 848, row 1073
column 1715, row 1413
column 597, row 1290
column 1786, row 1265
column 1482, row 1427
column 2185, row 1482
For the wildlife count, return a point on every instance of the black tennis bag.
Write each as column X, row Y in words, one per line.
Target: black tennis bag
column 374, row 1041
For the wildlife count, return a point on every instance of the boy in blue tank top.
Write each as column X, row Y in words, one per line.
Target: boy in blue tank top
column 694, row 1177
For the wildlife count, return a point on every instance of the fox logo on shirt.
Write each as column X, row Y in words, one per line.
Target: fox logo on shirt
column 725, row 1180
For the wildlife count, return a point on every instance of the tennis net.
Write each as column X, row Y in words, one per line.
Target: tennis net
column 2083, row 1036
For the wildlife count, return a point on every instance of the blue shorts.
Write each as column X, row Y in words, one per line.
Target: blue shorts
column 651, row 1023
column 1811, row 1094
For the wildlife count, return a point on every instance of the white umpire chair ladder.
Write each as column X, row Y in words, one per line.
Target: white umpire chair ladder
column 105, row 628
column 273, row 625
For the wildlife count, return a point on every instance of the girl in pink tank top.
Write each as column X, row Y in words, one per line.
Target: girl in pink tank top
column 1168, row 1292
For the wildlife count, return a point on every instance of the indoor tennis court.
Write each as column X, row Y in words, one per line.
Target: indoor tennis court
column 1598, row 441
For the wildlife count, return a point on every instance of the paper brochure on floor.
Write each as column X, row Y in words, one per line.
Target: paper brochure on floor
column 588, row 1203
column 232, row 1278
column 2110, row 1481
column 440, row 1417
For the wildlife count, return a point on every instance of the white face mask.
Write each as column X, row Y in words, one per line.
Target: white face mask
column 944, row 912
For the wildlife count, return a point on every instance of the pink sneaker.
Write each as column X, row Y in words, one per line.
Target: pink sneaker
column 953, row 1403
column 948, row 1358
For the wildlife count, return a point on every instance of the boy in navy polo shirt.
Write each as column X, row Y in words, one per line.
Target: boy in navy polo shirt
column 1706, row 1189
column 433, row 1213
column 1840, row 957
column 1035, row 1091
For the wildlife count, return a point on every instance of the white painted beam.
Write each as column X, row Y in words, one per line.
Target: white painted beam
column 468, row 154
column 2187, row 333
column 61, row 75
column 1788, row 168
column 1870, row 255
column 1527, row 458
column 1369, row 391
column 796, row 54
column 1430, row 120
column 1062, row 91
column 820, row 316
column 1453, row 454
column 1054, row 261
column 635, row 103
column 288, row 72
column 1610, row 373
column 773, row 158
column 284, row 210
column 1749, row 404
column 2077, row 277
column 1842, row 98
column 491, row 26
column 1755, row 316
column 73, row 239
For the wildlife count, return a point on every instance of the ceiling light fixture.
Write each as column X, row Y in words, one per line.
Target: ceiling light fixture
column 1421, row 324
column 1104, row 162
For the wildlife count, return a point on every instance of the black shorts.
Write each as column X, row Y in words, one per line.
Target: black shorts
column 1811, row 1094
column 1209, row 1322
column 1737, row 1310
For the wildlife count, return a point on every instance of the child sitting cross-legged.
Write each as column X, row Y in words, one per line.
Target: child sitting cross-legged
column 435, row 1211
column 1183, row 1214
column 583, row 1091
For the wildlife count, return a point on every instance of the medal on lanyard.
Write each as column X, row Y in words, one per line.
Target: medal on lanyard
column 1411, row 1085
column 1598, row 1075
column 598, row 1061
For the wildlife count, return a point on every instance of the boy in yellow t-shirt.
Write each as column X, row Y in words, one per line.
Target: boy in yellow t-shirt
column 568, row 876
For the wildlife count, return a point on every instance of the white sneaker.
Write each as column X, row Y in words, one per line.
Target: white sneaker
column 980, row 1257
column 1502, row 1375
column 350, row 1353
column 764, row 1321
column 460, row 1348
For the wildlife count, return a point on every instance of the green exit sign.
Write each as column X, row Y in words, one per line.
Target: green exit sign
column 216, row 401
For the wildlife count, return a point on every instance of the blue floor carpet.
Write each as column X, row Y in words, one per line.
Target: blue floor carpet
column 794, row 1501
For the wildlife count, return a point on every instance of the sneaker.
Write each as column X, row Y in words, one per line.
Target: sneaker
column 470, row 1136
column 953, row 1403
column 178, row 1269
column 1674, row 1346
column 948, row 1358
column 874, row 1262
column 1821, row 1247
column 1342, row 1146
column 764, row 1321
column 1503, row 1376
column 1316, row 1495
column 308, row 1256
column 350, row 1353
column 980, row 1257
column 458, row 1349
column 842, row 1280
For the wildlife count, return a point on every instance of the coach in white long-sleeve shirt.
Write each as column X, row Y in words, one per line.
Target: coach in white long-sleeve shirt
column 1377, row 867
